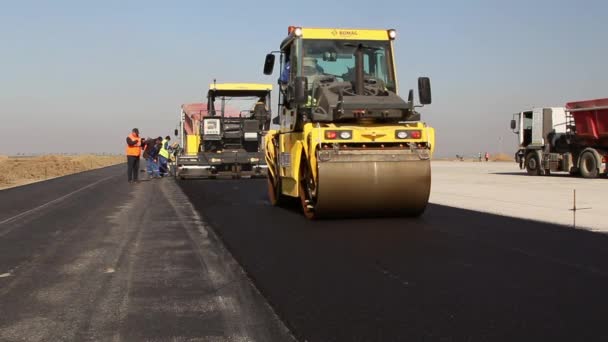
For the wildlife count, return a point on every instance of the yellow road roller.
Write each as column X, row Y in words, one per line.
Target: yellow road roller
column 347, row 145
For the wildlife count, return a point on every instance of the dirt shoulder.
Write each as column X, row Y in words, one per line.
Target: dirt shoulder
column 18, row 170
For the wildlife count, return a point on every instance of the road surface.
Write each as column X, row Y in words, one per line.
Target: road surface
column 89, row 257
column 452, row 275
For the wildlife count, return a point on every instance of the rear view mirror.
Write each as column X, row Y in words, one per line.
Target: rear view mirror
column 424, row 90
column 300, row 96
column 513, row 124
column 276, row 120
column 269, row 64
column 175, row 132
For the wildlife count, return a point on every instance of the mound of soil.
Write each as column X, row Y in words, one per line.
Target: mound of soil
column 22, row 170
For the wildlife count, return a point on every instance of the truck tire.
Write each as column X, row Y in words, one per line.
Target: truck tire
column 588, row 165
column 532, row 164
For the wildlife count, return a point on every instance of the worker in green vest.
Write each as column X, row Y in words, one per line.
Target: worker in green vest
column 163, row 156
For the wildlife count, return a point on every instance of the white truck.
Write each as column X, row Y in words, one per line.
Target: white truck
column 570, row 139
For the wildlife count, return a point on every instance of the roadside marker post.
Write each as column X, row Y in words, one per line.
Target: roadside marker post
column 574, row 209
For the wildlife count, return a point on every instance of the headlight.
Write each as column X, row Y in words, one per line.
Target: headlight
column 342, row 135
column 409, row 134
column 345, row 135
column 392, row 34
column 254, row 160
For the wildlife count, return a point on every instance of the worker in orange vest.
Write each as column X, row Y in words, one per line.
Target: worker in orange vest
column 133, row 153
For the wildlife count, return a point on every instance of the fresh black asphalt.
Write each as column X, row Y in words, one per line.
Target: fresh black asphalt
column 89, row 257
column 451, row 275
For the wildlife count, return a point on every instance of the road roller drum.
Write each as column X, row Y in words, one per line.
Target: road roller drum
column 371, row 183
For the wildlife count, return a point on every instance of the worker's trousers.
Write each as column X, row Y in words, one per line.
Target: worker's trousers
column 163, row 167
column 152, row 167
column 132, row 167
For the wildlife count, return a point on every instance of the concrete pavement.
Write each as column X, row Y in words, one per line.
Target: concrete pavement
column 502, row 188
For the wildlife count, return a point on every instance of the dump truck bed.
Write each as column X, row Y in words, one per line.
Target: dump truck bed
column 590, row 118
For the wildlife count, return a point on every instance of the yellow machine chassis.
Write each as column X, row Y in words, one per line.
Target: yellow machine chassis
column 372, row 166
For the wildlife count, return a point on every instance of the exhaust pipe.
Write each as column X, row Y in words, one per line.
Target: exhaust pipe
column 359, row 76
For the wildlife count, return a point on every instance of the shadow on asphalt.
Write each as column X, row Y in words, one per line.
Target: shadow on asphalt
column 452, row 274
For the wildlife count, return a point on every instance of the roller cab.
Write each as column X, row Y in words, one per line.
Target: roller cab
column 347, row 145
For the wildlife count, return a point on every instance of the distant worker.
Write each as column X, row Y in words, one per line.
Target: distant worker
column 519, row 157
column 133, row 152
column 487, row 156
column 163, row 156
column 260, row 113
column 480, row 157
column 151, row 149
column 284, row 78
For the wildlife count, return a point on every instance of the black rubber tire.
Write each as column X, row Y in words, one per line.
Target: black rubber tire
column 275, row 194
column 532, row 164
column 588, row 165
column 304, row 179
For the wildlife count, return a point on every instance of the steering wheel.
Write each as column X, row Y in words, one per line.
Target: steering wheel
column 367, row 90
column 373, row 91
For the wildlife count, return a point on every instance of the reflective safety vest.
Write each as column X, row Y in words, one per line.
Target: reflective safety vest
column 312, row 102
column 134, row 150
column 163, row 151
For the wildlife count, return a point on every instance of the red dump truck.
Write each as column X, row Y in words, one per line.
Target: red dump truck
column 570, row 139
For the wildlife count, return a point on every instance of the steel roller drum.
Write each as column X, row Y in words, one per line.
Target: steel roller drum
column 355, row 183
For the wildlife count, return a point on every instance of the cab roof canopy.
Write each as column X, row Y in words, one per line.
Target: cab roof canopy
column 239, row 89
column 341, row 33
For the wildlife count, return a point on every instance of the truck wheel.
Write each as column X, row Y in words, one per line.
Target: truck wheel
column 588, row 165
column 532, row 164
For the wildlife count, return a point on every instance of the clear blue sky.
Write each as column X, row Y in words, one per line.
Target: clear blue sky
column 78, row 75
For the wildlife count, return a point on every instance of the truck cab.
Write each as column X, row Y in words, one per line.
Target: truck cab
column 533, row 127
